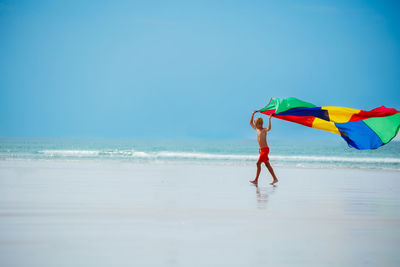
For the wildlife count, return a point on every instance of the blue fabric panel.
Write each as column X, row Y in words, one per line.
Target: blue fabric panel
column 358, row 135
column 313, row 112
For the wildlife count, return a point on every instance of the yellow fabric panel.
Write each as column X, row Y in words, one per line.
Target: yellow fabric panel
column 325, row 125
column 340, row 114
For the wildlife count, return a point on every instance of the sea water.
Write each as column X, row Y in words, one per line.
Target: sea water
column 298, row 153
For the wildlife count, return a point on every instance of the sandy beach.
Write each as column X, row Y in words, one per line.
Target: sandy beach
column 105, row 213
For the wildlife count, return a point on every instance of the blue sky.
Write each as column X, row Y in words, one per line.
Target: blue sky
column 183, row 69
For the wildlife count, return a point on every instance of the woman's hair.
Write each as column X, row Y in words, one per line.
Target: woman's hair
column 258, row 121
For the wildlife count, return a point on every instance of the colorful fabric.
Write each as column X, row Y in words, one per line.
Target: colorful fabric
column 263, row 154
column 359, row 128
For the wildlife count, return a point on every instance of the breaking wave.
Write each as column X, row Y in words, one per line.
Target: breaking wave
column 177, row 155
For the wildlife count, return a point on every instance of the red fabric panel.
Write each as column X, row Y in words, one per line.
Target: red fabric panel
column 268, row 112
column 304, row 120
column 376, row 112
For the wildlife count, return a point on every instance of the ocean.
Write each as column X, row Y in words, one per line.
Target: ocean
column 294, row 153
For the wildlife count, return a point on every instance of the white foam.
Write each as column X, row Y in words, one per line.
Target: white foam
column 336, row 159
column 197, row 155
column 140, row 154
column 70, row 152
column 211, row 156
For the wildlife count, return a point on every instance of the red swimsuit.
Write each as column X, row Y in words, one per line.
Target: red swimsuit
column 263, row 154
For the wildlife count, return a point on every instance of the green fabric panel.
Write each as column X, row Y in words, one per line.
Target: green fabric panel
column 270, row 106
column 283, row 104
column 385, row 127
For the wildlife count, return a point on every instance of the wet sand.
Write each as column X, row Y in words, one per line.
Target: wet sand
column 124, row 214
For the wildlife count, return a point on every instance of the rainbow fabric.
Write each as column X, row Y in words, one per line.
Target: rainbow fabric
column 361, row 129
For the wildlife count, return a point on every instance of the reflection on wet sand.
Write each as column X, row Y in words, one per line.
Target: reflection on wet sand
column 263, row 194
